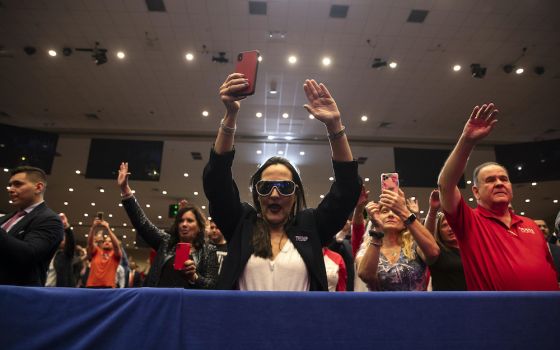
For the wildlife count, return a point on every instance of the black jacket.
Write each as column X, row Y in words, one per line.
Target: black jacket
column 27, row 249
column 310, row 231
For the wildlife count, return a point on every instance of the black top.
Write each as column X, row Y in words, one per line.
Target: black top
column 447, row 272
column 27, row 249
column 64, row 262
column 309, row 231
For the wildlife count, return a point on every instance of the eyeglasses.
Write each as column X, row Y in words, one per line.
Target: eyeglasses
column 284, row 187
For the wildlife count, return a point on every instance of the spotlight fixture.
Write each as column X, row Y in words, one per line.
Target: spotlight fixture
column 66, row 51
column 98, row 54
column 30, row 50
column 378, row 63
column 221, row 58
column 273, row 89
column 478, row 71
column 539, row 70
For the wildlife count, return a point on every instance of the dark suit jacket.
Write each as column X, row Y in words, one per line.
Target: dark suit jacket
column 309, row 231
column 27, row 249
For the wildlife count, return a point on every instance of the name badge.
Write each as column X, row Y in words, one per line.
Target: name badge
column 302, row 238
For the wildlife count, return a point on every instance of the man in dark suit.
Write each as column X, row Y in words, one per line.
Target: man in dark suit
column 30, row 236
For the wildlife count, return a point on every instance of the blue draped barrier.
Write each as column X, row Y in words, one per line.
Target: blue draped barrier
column 149, row 318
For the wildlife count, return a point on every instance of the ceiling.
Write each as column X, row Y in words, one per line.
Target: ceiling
column 154, row 93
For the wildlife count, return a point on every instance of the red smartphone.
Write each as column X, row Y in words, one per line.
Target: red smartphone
column 248, row 64
column 182, row 252
column 390, row 181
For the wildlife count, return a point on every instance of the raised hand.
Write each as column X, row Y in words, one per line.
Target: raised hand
column 64, row 220
column 412, row 204
column 234, row 83
column 321, row 104
column 183, row 203
column 372, row 209
column 363, row 199
column 395, row 201
column 481, row 122
column 122, row 179
column 189, row 271
column 435, row 203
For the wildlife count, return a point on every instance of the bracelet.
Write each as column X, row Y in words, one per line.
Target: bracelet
column 126, row 196
column 226, row 129
column 377, row 244
column 338, row 134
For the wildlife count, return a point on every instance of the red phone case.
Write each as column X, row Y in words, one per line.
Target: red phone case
column 390, row 181
column 182, row 252
column 248, row 64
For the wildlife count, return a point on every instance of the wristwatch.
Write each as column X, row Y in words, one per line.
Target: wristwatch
column 409, row 220
column 376, row 234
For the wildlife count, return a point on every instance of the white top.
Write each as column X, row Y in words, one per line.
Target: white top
column 332, row 273
column 285, row 273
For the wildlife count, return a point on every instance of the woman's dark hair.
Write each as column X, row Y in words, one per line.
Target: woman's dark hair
column 198, row 241
column 261, row 233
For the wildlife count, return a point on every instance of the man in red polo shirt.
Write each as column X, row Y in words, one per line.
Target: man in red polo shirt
column 500, row 250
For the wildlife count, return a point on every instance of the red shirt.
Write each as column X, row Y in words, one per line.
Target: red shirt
column 497, row 258
column 103, row 268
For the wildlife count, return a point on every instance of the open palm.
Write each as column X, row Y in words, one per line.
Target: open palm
column 481, row 122
column 321, row 104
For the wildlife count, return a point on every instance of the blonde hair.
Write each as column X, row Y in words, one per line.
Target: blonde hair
column 407, row 245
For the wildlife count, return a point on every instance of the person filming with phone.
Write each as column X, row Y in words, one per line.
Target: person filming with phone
column 277, row 243
column 105, row 257
column 183, row 259
column 399, row 248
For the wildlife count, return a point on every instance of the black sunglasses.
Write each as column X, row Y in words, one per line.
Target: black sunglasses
column 284, row 187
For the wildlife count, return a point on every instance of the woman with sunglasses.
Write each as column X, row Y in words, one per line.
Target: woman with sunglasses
column 277, row 244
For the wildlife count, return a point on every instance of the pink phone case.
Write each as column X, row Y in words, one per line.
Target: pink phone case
column 182, row 252
column 390, row 181
column 248, row 64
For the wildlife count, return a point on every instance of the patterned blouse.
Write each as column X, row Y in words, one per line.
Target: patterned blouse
column 404, row 275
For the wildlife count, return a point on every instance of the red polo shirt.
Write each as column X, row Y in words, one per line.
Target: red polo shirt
column 497, row 258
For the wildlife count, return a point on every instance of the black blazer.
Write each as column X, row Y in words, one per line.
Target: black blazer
column 27, row 249
column 309, row 232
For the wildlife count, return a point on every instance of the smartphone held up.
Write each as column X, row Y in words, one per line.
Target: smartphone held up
column 248, row 64
column 390, row 181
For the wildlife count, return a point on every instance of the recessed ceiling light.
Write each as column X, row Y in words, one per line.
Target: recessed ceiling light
column 311, row 116
column 555, row 201
column 195, row 193
column 421, row 212
column 110, row 215
column 469, row 182
column 78, row 172
column 471, row 199
column 280, row 152
column 102, row 190
column 259, row 151
column 71, row 189
column 10, row 201
column 393, row 65
column 322, row 196
column 203, row 207
column 270, row 137
column 364, row 118
column 147, row 205
column 413, row 198
column 124, row 224
column 527, row 200
column 285, row 115
column 93, row 204
column 456, row 68
column 65, row 203
column 519, row 167
column 133, row 191
column 519, row 71
column 522, row 213
column 189, row 56
column 205, row 113
column 6, row 170
column 302, row 153
column 326, row 61
column 260, row 59
column 288, row 138
column 259, row 115
column 159, row 217
column 133, row 230
column 52, row 53
column 120, row 204
column 186, row 175
column 86, row 215
column 85, row 235
column 164, row 192
column 121, row 55
column 533, row 184
column 331, row 178
column 366, row 179
column 292, row 59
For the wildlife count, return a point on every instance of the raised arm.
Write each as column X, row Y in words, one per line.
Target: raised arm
column 368, row 263
column 480, row 124
column 116, row 245
column 430, row 223
column 358, row 221
column 70, row 242
column 323, row 107
column 224, row 140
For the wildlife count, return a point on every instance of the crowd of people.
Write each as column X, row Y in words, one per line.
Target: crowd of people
column 276, row 243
